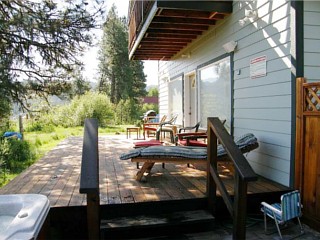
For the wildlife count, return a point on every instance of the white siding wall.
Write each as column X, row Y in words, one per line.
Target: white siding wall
column 312, row 40
column 263, row 105
column 163, row 95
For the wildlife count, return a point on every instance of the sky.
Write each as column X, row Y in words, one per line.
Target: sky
column 90, row 57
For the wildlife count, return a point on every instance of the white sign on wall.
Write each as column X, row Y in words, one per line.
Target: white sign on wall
column 258, row 67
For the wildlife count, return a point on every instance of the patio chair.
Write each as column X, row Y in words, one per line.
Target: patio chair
column 288, row 209
column 167, row 127
column 194, row 128
column 152, row 127
column 191, row 139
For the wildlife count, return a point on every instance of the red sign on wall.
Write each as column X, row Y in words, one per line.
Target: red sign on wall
column 258, row 67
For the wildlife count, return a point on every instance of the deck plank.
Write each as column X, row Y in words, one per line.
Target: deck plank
column 56, row 175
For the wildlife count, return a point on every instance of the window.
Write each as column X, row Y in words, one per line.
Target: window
column 175, row 99
column 215, row 92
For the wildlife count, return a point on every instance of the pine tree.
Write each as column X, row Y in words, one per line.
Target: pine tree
column 120, row 78
column 40, row 43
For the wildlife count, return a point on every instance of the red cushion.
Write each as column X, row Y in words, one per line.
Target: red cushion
column 197, row 143
column 149, row 143
column 193, row 143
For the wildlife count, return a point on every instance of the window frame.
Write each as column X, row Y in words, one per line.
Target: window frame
column 230, row 57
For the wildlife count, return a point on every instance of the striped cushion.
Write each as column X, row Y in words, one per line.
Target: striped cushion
column 270, row 212
column 186, row 151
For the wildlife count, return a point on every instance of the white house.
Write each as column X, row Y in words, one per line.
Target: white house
column 242, row 68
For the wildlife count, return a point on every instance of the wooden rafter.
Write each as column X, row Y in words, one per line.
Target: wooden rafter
column 174, row 25
column 190, row 21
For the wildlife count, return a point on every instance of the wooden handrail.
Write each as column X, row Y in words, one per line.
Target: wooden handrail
column 236, row 156
column 243, row 174
column 89, row 178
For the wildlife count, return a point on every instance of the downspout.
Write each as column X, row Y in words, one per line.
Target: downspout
column 144, row 29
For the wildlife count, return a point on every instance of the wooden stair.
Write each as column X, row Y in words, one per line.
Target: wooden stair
column 148, row 225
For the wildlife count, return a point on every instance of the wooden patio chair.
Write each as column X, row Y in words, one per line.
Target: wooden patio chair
column 288, row 209
column 167, row 127
column 152, row 127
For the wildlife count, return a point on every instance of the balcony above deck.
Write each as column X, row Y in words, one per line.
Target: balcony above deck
column 158, row 30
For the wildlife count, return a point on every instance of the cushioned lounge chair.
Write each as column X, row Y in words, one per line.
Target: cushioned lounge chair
column 182, row 154
column 149, row 143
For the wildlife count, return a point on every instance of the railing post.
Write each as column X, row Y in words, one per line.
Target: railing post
column 93, row 216
column 211, row 162
column 89, row 178
column 240, row 208
column 243, row 174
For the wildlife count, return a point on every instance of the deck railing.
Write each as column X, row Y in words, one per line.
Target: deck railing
column 89, row 179
column 243, row 174
column 138, row 13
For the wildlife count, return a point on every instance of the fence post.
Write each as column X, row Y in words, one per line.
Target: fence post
column 21, row 126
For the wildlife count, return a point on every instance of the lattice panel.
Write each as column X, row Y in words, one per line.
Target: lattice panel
column 312, row 99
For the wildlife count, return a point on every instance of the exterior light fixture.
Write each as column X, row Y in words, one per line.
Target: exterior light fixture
column 249, row 15
column 230, row 46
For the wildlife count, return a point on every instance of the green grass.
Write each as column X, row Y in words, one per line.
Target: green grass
column 5, row 178
column 44, row 142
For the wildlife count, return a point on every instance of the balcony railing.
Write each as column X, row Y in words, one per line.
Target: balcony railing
column 138, row 12
column 158, row 30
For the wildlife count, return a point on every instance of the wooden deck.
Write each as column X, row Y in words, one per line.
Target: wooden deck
column 57, row 176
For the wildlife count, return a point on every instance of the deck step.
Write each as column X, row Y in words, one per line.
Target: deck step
column 146, row 225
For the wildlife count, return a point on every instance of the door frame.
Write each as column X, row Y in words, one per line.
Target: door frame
column 190, row 108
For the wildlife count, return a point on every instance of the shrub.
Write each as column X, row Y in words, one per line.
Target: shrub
column 89, row 105
column 48, row 128
column 34, row 127
column 127, row 112
column 16, row 154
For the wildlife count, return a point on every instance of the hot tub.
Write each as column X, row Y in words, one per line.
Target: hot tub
column 22, row 215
